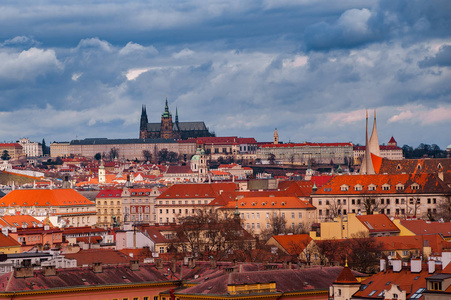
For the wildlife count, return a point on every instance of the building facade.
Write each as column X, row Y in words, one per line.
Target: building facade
column 30, row 149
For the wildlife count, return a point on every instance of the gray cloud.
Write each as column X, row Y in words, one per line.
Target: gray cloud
column 309, row 68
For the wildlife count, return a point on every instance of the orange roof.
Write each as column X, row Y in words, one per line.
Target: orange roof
column 55, row 197
column 109, row 194
column 196, row 190
column 377, row 162
column 293, row 243
column 378, row 223
column 7, row 241
column 392, row 243
column 428, row 183
column 421, row 227
column 270, row 203
column 20, row 220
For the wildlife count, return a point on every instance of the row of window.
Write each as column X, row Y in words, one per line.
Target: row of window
column 257, row 215
column 181, row 202
column 99, row 202
column 383, row 201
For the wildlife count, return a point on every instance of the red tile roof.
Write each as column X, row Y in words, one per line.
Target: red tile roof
column 109, row 194
column 197, row 190
column 428, row 183
column 55, row 197
column 421, row 227
column 270, row 203
column 378, row 223
column 346, row 276
column 106, row 256
column 415, row 166
column 293, row 243
column 291, row 145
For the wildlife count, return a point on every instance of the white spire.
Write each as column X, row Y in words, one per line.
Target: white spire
column 374, row 140
column 367, row 164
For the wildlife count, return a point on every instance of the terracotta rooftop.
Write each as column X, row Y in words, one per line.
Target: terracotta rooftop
column 109, row 194
column 420, row 227
column 270, row 203
column 293, row 243
column 346, row 276
column 106, row 256
column 378, row 223
column 196, row 190
column 44, row 197
column 415, row 166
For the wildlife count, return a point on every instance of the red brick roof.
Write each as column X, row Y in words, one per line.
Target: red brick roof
column 106, row 256
column 7, row 241
column 414, row 166
column 44, row 197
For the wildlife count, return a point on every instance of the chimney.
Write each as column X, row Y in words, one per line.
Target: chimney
column 97, row 267
column 415, row 265
column 397, row 266
column 5, row 231
column 446, row 259
column 383, row 265
column 431, row 266
column 174, row 266
column 192, row 263
column 23, row 272
column 134, row 265
column 49, row 270
column 212, row 263
column 159, row 263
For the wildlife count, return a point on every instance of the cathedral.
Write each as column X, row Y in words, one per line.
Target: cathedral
column 168, row 129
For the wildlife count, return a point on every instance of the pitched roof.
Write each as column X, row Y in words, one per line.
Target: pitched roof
column 421, row 227
column 197, row 190
column 346, row 277
column 7, row 241
column 415, row 166
column 427, row 183
column 378, row 223
column 286, row 280
column 270, row 203
column 291, row 145
column 106, row 256
column 109, row 194
column 294, row 243
column 44, row 197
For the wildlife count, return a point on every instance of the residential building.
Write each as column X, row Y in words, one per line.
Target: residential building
column 187, row 199
column 351, row 225
column 138, row 204
column 109, row 207
column 15, row 150
column 64, row 207
column 301, row 246
column 258, row 213
column 396, row 195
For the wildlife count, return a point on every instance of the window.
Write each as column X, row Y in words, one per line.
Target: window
column 292, row 215
column 320, row 202
column 353, row 201
column 435, row 286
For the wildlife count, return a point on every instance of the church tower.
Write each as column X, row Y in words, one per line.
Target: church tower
column 166, row 123
column 276, row 137
column 102, row 177
column 143, row 123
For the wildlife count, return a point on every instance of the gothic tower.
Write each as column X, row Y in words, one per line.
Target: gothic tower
column 143, row 123
column 367, row 163
column 166, row 123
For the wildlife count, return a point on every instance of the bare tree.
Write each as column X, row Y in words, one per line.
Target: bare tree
column 334, row 208
column 364, row 252
column 147, row 155
column 114, row 153
column 444, row 209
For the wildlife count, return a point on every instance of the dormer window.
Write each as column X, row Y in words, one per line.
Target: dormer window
column 399, row 167
column 386, row 187
column 415, row 186
column 344, row 187
column 358, row 187
column 439, row 166
column 372, row 187
column 418, row 167
column 399, row 187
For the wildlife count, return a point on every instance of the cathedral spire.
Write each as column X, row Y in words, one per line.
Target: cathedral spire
column 374, row 140
column 367, row 164
column 176, row 115
column 144, row 121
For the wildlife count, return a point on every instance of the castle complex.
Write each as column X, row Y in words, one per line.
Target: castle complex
column 167, row 129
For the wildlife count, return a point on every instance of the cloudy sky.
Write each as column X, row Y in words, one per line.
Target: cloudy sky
column 80, row 69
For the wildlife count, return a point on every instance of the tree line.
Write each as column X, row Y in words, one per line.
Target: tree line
column 423, row 150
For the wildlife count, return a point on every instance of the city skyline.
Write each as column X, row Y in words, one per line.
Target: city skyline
column 308, row 68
